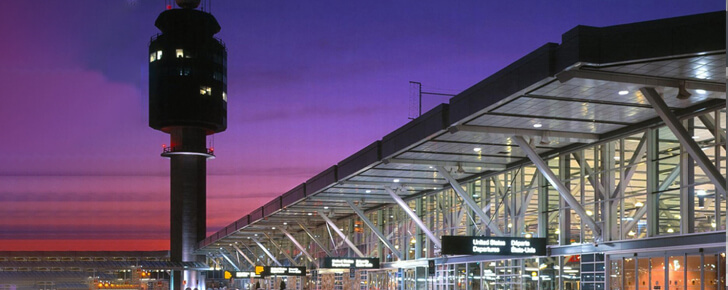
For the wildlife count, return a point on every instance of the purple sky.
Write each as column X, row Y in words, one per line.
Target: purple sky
column 310, row 83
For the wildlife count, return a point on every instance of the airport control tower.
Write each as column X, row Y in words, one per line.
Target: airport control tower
column 188, row 100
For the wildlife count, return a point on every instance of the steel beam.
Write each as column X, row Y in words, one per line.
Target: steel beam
column 374, row 229
column 298, row 245
column 685, row 139
column 314, row 239
column 574, row 136
column 709, row 123
column 285, row 254
column 341, row 234
column 640, row 80
column 266, row 251
column 469, row 200
column 380, row 184
column 485, row 166
column 225, row 256
column 402, row 204
column 556, row 183
column 243, row 254
column 643, row 210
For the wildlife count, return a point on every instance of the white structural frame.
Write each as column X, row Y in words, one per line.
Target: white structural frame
column 341, row 234
column 374, row 229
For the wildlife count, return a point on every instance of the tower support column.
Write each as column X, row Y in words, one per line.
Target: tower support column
column 188, row 169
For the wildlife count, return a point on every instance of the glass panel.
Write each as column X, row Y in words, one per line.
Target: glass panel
column 643, row 274
column 629, row 274
column 657, row 273
column 693, row 268
column 676, row 272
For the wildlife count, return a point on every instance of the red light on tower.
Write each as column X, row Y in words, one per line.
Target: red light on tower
column 169, row 7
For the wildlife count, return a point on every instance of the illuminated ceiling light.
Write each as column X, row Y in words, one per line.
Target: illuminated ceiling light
column 368, row 191
column 395, row 181
column 285, row 223
column 702, row 92
column 528, row 236
column 696, row 137
column 670, row 231
column 510, row 225
column 477, row 149
column 391, row 216
column 631, row 233
column 537, row 125
column 589, row 213
column 622, row 93
column 557, row 231
column 701, row 192
column 639, row 204
column 310, row 213
column 413, row 240
column 326, row 207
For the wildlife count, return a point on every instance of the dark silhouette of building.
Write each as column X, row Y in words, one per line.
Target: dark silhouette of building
column 188, row 100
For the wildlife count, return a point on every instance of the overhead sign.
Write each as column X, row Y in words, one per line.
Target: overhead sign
column 280, row 271
column 501, row 246
column 249, row 274
column 350, row 263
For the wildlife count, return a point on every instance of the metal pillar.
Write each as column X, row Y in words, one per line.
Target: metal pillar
column 314, row 239
column 414, row 217
column 252, row 264
column 225, row 256
column 468, row 200
column 685, row 139
column 187, row 200
column 285, row 254
column 266, row 251
column 298, row 245
column 556, row 183
column 374, row 229
column 341, row 234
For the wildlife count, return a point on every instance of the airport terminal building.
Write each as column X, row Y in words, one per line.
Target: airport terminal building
column 596, row 163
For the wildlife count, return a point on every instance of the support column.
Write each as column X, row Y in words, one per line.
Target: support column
column 414, row 217
column 285, row 254
column 687, row 142
column 225, row 256
column 252, row 264
column 341, row 234
column 299, row 246
column 314, row 239
column 266, row 251
column 374, row 229
column 556, row 183
column 468, row 200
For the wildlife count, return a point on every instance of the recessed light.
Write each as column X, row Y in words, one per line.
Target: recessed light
column 395, row 181
column 285, row 223
column 639, row 204
column 326, row 207
column 477, row 149
column 702, row 92
column 670, row 231
column 622, row 93
column 701, row 192
column 368, row 191
column 537, row 125
column 273, row 228
column 310, row 213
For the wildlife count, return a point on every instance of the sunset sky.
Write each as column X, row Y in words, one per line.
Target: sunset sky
column 309, row 83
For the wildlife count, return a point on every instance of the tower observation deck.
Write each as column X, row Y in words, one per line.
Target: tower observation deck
column 188, row 100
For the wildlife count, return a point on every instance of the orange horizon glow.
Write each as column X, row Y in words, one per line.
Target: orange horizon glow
column 84, row 245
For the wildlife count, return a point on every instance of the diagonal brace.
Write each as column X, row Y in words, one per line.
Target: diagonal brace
column 556, row 183
column 469, row 200
column 685, row 139
column 341, row 234
column 435, row 241
column 374, row 229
